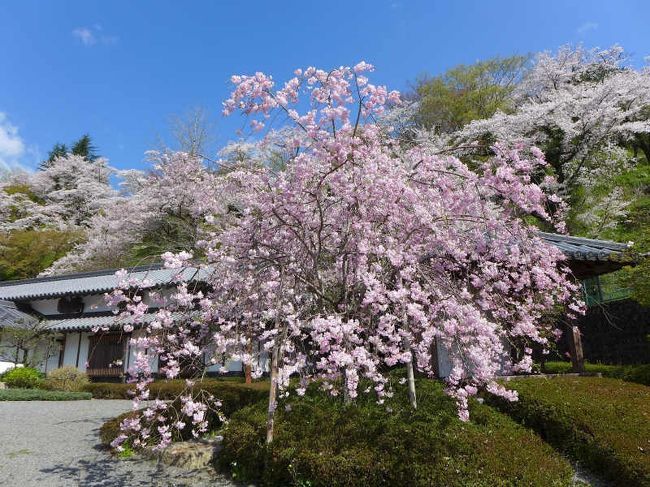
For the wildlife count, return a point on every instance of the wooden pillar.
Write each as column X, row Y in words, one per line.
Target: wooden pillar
column 435, row 364
column 575, row 346
column 78, row 350
column 62, row 349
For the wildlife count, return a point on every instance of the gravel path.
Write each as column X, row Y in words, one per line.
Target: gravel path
column 56, row 443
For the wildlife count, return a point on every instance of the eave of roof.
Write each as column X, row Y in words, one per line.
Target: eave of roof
column 588, row 249
column 92, row 321
column 91, row 282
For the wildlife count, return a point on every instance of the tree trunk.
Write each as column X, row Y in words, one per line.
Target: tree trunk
column 410, row 377
column 247, row 368
column 346, row 392
column 248, row 374
column 410, row 374
column 273, row 400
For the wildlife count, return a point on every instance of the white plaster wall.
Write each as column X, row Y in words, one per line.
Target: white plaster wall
column 444, row 362
column 51, row 363
column 45, row 306
column 70, row 355
column 129, row 358
column 237, row 366
column 95, row 303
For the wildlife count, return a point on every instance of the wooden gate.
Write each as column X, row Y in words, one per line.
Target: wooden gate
column 106, row 355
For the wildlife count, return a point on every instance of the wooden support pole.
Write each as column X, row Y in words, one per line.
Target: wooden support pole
column 575, row 345
column 78, row 350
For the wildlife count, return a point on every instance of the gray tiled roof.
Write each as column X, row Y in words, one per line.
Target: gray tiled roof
column 578, row 248
column 90, row 322
column 11, row 315
column 89, row 283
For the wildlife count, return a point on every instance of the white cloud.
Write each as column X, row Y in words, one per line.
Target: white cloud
column 89, row 36
column 586, row 27
column 85, row 35
column 12, row 147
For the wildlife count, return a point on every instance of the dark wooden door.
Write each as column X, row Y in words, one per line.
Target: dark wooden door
column 104, row 353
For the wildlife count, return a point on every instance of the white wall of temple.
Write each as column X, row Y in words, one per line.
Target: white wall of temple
column 52, row 362
column 72, row 344
column 93, row 303
column 45, row 306
column 129, row 356
column 444, row 362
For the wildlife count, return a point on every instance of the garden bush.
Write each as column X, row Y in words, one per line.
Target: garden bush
column 601, row 422
column 631, row 373
column 109, row 390
column 232, row 394
column 66, row 379
column 319, row 441
column 41, row 395
column 170, row 389
column 22, row 377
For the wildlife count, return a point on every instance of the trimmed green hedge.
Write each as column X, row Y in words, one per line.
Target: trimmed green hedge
column 319, row 441
column 630, row 373
column 168, row 389
column 233, row 395
column 41, row 395
column 603, row 423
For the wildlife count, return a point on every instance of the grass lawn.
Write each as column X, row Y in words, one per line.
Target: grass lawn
column 603, row 423
column 322, row 442
column 41, row 395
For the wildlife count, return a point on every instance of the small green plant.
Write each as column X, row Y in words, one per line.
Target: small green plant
column 126, row 452
column 66, row 379
column 22, row 377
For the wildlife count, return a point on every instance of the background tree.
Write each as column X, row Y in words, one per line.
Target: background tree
column 468, row 92
column 27, row 253
column 30, row 344
column 82, row 147
column 85, row 148
column 584, row 109
column 193, row 133
column 59, row 150
column 166, row 211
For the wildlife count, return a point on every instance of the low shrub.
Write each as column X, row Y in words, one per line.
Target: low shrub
column 111, row 428
column 319, row 441
column 170, row 389
column 601, row 422
column 41, row 395
column 108, row 390
column 630, row 373
column 22, row 377
column 233, row 396
column 66, row 378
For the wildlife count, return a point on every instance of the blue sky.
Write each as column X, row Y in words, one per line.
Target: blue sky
column 119, row 70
